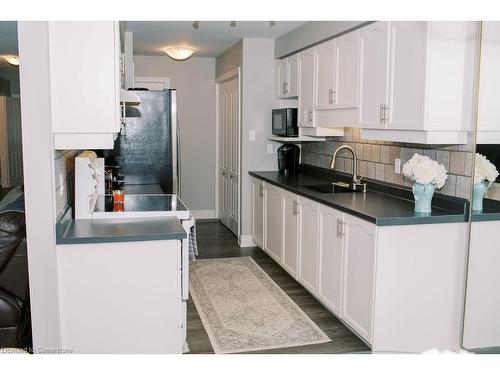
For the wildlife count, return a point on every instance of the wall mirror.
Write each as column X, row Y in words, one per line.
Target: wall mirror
column 481, row 327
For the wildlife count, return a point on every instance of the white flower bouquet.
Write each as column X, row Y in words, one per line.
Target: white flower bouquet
column 423, row 170
column 484, row 170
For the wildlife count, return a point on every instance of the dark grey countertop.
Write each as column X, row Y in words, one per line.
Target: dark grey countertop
column 69, row 231
column 490, row 212
column 382, row 205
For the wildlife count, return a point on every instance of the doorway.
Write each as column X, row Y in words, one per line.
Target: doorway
column 228, row 150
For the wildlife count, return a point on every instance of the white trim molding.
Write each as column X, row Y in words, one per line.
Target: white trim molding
column 203, row 214
column 246, row 240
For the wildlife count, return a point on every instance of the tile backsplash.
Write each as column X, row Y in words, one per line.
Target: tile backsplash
column 376, row 159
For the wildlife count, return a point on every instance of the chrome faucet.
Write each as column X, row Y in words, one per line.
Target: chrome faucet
column 356, row 181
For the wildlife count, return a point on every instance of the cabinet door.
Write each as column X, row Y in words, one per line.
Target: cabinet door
column 489, row 113
column 306, row 88
column 374, row 74
column 290, row 232
column 258, row 212
column 308, row 244
column 405, row 107
column 330, row 257
column 324, row 60
column 273, row 221
column 84, row 77
column 293, row 75
column 345, row 92
column 358, row 274
column 282, row 78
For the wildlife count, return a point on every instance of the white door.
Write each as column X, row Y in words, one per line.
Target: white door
column 15, row 141
column 290, row 206
column 229, row 152
column 273, row 222
column 293, row 75
column 258, row 212
column 374, row 74
column 306, row 88
column 330, row 257
column 324, row 60
column 308, row 244
column 282, row 78
column 405, row 106
column 345, row 93
column 358, row 274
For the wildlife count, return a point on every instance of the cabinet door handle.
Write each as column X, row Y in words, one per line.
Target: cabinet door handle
column 294, row 208
column 330, row 96
column 386, row 114
column 334, row 99
column 310, row 115
column 338, row 227
column 382, row 113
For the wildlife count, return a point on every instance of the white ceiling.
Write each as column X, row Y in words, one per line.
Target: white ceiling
column 210, row 40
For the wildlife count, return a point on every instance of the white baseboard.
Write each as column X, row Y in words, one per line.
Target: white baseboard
column 203, row 214
column 246, row 241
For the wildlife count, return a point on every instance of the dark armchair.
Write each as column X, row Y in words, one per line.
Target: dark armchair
column 15, row 327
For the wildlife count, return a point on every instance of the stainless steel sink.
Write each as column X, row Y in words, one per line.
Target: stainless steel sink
column 335, row 187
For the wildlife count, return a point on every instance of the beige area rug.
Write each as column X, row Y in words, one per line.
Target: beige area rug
column 242, row 308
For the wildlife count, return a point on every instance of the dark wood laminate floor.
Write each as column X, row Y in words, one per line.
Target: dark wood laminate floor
column 216, row 241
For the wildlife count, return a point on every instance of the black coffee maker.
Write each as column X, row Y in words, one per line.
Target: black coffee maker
column 288, row 159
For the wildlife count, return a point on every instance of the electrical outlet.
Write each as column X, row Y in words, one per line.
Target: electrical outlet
column 397, row 166
column 270, row 148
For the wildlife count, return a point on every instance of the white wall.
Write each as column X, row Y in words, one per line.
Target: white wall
column 311, row 33
column 258, row 100
column 194, row 80
column 38, row 154
column 230, row 59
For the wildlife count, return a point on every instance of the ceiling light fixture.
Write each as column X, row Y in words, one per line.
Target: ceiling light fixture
column 272, row 23
column 232, row 24
column 196, row 25
column 12, row 60
column 179, row 53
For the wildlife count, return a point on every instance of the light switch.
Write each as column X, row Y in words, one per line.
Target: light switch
column 270, row 148
column 397, row 166
column 251, row 135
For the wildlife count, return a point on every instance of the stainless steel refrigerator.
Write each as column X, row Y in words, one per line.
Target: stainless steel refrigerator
column 147, row 149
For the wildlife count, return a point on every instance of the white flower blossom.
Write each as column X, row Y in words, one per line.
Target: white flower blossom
column 424, row 170
column 484, row 170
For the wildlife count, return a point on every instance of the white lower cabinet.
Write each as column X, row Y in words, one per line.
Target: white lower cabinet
column 258, row 212
column 290, row 207
column 358, row 274
column 273, row 215
column 399, row 288
column 308, row 244
column 330, row 258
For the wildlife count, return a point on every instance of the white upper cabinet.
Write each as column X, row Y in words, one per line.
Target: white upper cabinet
column 85, row 83
column 308, row 244
column 324, row 75
column 306, row 88
column 374, row 73
column 416, row 81
column 287, row 70
column 293, row 75
column 346, row 67
column 273, row 236
column 488, row 125
column 290, row 232
column 358, row 282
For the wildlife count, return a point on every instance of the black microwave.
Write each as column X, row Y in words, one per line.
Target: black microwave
column 285, row 122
